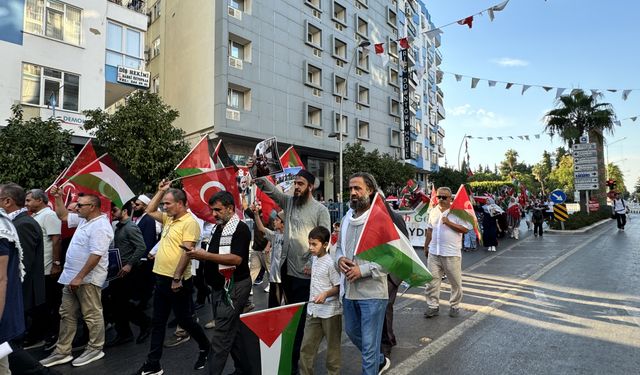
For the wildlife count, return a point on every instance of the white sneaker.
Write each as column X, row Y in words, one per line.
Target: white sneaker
column 89, row 355
column 266, row 290
column 56, row 359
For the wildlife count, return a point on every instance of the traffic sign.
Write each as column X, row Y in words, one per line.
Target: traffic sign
column 585, row 174
column 585, row 167
column 586, row 180
column 580, row 160
column 593, row 186
column 585, row 154
column 557, row 196
column 584, row 146
column 560, row 212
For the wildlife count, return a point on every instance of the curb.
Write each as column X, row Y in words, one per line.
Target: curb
column 581, row 230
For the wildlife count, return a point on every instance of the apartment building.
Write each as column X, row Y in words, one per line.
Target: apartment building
column 63, row 57
column 247, row 70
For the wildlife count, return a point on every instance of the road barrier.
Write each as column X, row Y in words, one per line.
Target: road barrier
column 634, row 208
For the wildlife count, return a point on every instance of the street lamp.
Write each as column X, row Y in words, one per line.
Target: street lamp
column 460, row 149
column 341, row 126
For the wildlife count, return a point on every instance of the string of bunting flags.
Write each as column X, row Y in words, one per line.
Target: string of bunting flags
column 526, row 86
column 632, row 118
column 526, row 137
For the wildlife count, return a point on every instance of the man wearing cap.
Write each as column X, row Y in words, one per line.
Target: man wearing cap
column 302, row 213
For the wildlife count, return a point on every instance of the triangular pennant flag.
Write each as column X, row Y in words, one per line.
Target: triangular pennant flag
column 379, row 48
column 458, row 77
column 489, row 138
column 492, row 83
column 480, row 137
column 559, row 92
column 617, row 123
column 200, row 187
column 537, row 136
column 525, row 88
column 511, row 136
column 499, row 138
column 382, row 242
column 508, row 85
column 496, row 8
column 526, row 137
column 86, row 156
column 625, row 94
column 594, row 92
column 404, row 43
column 612, row 90
column 474, row 82
column 547, row 88
column 634, row 118
column 466, row 21
column 521, row 137
column 462, row 208
column 221, row 158
column 198, row 160
column 102, row 177
column 276, row 329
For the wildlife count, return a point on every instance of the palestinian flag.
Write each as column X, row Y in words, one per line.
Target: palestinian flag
column 200, row 187
column 462, row 208
column 101, row 177
column 383, row 243
column 86, row 156
column 291, row 159
column 198, row 160
column 276, row 329
column 221, row 158
column 433, row 202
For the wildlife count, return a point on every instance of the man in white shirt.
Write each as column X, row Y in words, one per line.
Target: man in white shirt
column 620, row 211
column 83, row 275
column 442, row 248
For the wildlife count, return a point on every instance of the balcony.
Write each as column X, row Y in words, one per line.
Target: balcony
column 441, row 112
column 441, row 150
column 441, row 133
column 438, row 58
column 134, row 5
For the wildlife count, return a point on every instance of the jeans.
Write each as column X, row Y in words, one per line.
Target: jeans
column 363, row 320
column 181, row 303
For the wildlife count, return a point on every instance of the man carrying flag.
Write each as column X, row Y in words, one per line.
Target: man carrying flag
column 442, row 249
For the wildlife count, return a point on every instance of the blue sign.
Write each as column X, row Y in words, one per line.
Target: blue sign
column 558, row 196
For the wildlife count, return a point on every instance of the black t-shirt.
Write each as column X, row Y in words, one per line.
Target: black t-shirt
column 239, row 246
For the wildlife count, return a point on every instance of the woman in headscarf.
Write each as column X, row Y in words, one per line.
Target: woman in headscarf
column 490, row 224
column 513, row 218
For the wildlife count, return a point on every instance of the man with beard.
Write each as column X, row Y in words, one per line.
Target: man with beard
column 363, row 287
column 302, row 213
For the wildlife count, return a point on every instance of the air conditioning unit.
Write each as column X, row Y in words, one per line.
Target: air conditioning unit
column 317, row 92
column 317, row 52
column 340, row 63
column 232, row 114
column 235, row 63
column 235, row 13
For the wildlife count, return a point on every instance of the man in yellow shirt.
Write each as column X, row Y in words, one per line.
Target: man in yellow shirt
column 174, row 284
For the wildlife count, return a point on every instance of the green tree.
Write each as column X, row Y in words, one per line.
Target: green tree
column 542, row 170
column 560, row 152
column 637, row 189
column 140, row 136
column 448, row 177
column 578, row 114
column 390, row 173
column 614, row 173
column 508, row 165
column 561, row 177
column 485, row 176
column 34, row 151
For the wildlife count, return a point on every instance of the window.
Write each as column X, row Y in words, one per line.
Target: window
column 363, row 130
column 314, row 35
column 416, row 150
column 362, row 3
column 363, row 60
column 154, row 14
column 339, row 86
column 46, row 86
column 339, row 14
column 337, row 123
column 155, row 51
column 393, row 76
column 339, row 49
column 394, row 107
column 155, row 85
column 392, row 18
column 237, row 4
column 124, row 46
column 55, row 19
column 235, row 99
column 315, row 4
column 236, row 50
column 393, row 47
column 362, row 27
column 313, row 76
column 363, row 95
column 395, row 137
column 313, row 116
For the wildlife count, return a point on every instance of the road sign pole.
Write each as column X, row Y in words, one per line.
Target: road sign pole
column 587, row 203
column 562, row 225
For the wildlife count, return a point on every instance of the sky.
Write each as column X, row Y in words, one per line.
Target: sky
column 583, row 44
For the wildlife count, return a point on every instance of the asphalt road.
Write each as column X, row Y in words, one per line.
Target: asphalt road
column 561, row 304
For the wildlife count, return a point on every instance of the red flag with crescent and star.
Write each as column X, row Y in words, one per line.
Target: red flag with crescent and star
column 201, row 187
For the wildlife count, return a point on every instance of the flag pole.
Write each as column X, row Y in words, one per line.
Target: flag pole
column 87, row 166
column 67, row 168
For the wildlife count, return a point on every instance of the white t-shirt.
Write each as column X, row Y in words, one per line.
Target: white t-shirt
column 619, row 206
column 51, row 226
column 444, row 240
column 91, row 238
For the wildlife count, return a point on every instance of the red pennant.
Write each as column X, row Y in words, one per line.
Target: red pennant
column 404, row 43
column 379, row 48
column 467, row 21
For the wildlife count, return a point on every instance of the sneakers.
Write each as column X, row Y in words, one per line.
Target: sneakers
column 210, row 325
column 431, row 312
column 176, row 340
column 266, row 290
column 56, row 359
column 385, row 365
column 89, row 355
column 150, row 369
column 202, row 360
column 454, row 312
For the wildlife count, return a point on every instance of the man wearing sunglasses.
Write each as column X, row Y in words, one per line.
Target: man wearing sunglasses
column 442, row 249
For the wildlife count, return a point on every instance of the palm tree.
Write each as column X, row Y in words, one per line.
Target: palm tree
column 578, row 114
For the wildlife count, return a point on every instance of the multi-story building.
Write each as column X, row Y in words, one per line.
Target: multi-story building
column 60, row 58
column 247, row 70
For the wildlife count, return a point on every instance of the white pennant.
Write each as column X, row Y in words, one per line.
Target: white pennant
column 496, row 8
column 525, row 88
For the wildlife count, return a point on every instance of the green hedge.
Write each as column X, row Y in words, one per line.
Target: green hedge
column 580, row 219
column 489, row 186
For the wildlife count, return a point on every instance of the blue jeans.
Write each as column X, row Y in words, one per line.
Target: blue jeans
column 363, row 320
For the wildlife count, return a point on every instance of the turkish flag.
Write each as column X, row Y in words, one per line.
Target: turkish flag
column 201, row 187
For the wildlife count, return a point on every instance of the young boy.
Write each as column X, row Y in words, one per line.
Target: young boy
column 276, row 293
column 324, row 311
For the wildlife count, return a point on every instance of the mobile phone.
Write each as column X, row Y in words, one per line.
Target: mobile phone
column 184, row 248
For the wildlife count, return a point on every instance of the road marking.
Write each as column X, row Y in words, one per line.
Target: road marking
column 420, row 357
